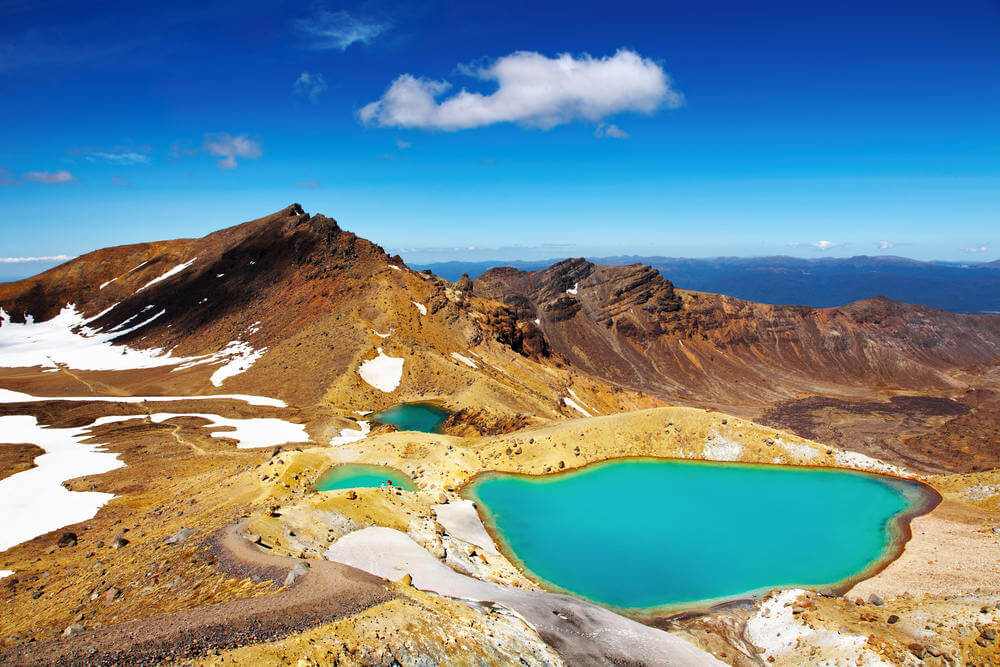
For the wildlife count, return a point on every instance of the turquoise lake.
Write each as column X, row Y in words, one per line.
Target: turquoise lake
column 642, row 534
column 356, row 476
column 425, row 417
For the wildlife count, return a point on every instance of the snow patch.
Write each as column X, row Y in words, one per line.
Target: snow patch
column 348, row 435
column 576, row 406
column 172, row 272
column 249, row 433
column 382, row 335
column 35, row 501
column 579, row 400
column 383, row 372
column 421, row 307
column 66, row 340
column 8, row 396
column 465, row 360
column 6, row 573
column 462, row 521
column 241, row 357
column 394, row 267
column 574, row 289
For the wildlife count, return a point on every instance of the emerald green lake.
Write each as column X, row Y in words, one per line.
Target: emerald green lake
column 355, row 476
column 425, row 417
column 642, row 534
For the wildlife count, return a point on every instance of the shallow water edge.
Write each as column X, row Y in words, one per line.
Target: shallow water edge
column 919, row 498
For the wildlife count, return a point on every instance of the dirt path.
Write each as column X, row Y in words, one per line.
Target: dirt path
column 101, row 390
column 176, row 432
column 323, row 592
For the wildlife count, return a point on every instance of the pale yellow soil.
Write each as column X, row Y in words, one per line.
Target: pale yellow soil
column 953, row 552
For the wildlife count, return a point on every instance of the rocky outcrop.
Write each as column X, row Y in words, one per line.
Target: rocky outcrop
column 630, row 325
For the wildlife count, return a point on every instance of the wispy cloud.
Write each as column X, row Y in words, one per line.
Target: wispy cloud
column 885, row 245
column 977, row 248
column 610, row 131
column 310, row 86
column 327, row 30
column 21, row 260
column 227, row 147
column 121, row 182
column 533, row 90
column 7, row 177
column 124, row 157
column 403, row 145
column 818, row 245
column 307, row 184
column 61, row 177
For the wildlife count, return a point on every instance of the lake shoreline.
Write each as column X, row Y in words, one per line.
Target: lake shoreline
column 921, row 499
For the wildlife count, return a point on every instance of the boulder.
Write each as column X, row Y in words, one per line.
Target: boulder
column 179, row 536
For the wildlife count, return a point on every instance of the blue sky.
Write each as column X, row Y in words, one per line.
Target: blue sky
column 676, row 128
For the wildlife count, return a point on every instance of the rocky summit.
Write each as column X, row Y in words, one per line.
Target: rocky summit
column 167, row 410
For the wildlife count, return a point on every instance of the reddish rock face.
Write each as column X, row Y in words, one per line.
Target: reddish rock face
column 629, row 325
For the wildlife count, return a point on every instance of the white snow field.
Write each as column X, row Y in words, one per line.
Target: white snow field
column 383, row 372
column 8, row 396
column 66, row 340
column 249, row 432
column 35, row 502
column 349, row 435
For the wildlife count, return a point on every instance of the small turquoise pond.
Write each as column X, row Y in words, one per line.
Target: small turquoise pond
column 643, row 534
column 355, row 476
column 425, row 417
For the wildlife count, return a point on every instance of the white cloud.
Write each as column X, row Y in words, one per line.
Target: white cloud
column 310, row 86
column 337, row 30
column 7, row 178
column 228, row 148
column 825, row 245
column 60, row 177
column 121, row 157
column 533, row 90
column 886, row 245
column 20, row 260
column 610, row 131
column 978, row 248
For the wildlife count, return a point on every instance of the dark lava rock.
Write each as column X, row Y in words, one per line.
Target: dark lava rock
column 893, row 618
column 875, row 600
column 66, row 540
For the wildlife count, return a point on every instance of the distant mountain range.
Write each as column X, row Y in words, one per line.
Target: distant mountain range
column 820, row 283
